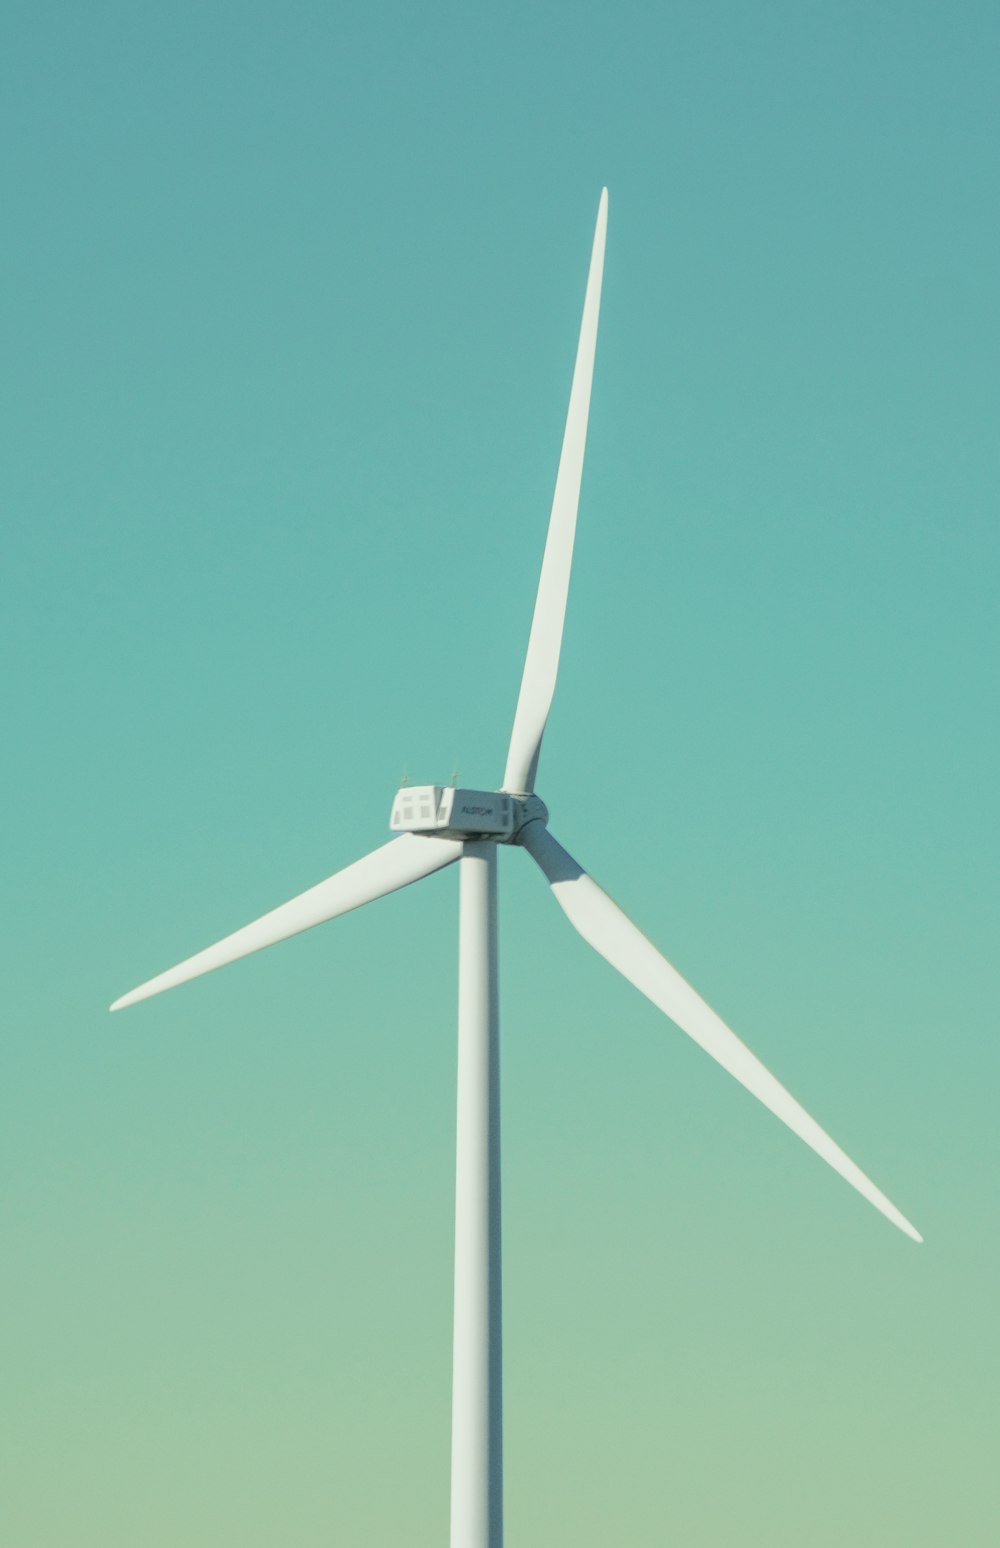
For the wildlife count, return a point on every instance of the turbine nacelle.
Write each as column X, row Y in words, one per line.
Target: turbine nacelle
column 451, row 811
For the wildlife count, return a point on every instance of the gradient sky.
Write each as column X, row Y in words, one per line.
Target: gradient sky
column 289, row 308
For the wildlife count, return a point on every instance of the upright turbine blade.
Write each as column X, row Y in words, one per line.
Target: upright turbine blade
column 396, row 864
column 542, row 662
column 611, row 933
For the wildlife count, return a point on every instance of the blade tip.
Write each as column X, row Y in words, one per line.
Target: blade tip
column 126, row 999
column 899, row 1219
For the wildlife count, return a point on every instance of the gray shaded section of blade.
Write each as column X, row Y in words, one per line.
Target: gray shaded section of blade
column 611, row 933
column 396, row 864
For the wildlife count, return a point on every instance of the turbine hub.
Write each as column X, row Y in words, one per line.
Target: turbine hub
column 528, row 808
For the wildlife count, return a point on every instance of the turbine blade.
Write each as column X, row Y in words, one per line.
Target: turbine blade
column 396, row 864
column 611, row 933
column 542, row 661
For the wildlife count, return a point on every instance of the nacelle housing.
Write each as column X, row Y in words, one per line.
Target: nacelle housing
column 454, row 813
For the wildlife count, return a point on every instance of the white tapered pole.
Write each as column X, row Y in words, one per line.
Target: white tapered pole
column 477, row 1398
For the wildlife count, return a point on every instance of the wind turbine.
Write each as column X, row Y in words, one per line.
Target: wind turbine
column 437, row 826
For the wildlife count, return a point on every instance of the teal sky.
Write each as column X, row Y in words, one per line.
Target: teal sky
column 289, row 305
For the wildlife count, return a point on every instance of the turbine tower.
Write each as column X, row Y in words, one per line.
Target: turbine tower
column 437, row 827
